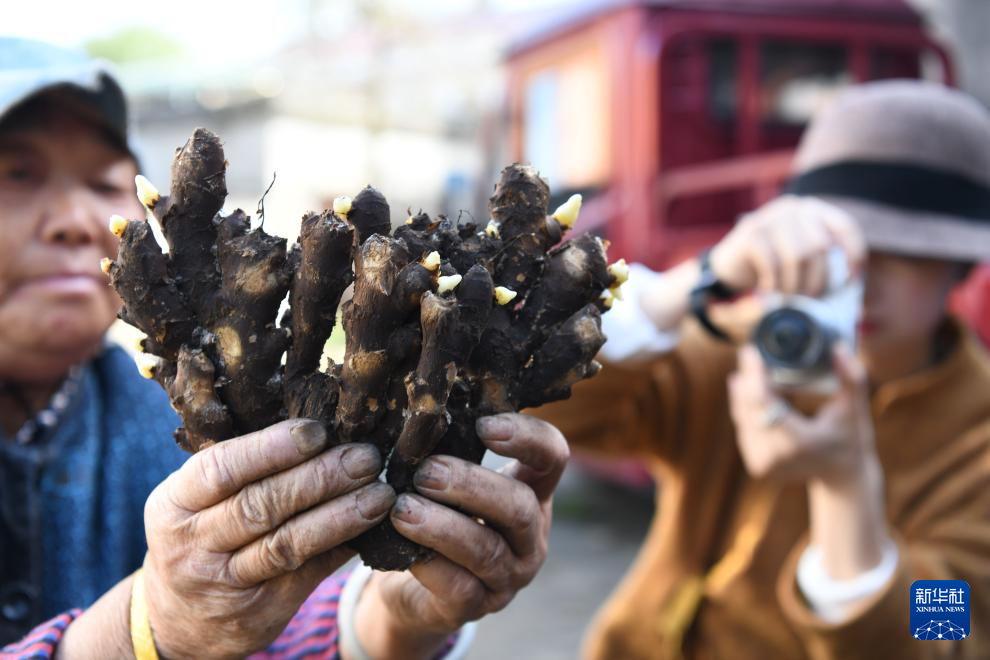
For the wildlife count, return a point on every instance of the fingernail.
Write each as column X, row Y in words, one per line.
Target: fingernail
column 374, row 500
column 494, row 428
column 408, row 509
column 361, row 461
column 433, row 474
column 309, row 436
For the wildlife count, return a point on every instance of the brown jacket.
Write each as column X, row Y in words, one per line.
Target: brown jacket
column 715, row 578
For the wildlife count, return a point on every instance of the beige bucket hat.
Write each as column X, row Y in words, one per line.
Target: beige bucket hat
column 910, row 161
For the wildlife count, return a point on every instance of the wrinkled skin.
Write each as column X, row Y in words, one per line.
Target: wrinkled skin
column 247, row 528
column 478, row 569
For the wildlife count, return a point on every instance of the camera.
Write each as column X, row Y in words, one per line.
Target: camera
column 796, row 335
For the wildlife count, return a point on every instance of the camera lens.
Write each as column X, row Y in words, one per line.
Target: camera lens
column 788, row 335
column 792, row 339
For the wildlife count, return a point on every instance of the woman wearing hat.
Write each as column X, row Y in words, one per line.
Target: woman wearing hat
column 242, row 536
column 783, row 534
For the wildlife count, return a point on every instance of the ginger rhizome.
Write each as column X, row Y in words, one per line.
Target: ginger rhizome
column 447, row 322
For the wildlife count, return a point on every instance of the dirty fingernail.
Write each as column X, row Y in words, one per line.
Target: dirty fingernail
column 494, row 428
column 408, row 509
column 374, row 500
column 433, row 474
column 360, row 461
column 309, row 436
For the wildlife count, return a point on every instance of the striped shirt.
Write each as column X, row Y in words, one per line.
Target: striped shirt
column 312, row 633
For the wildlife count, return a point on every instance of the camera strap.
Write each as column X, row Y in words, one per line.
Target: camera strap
column 709, row 289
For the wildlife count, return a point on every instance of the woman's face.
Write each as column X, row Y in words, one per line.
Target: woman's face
column 60, row 181
column 904, row 303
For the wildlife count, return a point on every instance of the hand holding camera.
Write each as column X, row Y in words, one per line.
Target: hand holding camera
column 830, row 446
column 803, row 258
column 783, row 247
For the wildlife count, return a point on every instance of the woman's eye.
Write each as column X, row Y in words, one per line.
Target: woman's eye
column 19, row 170
column 108, row 188
column 18, row 174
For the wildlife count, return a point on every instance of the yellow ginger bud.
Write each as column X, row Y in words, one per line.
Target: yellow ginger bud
column 105, row 264
column 447, row 283
column 431, row 262
column 147, row 364
column 118, row 224
column 146, row 192
column 567, row 213
column 619, row 272
column 342, row 206
column 504, row 296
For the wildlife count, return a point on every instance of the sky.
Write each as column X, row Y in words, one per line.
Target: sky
column 221, row 30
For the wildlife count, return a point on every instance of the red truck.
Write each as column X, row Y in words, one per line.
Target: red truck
column 674, row 116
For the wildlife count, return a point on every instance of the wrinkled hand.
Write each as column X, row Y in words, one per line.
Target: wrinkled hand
column 245, row 530
column 784, row 245
column 831, row 445
column 478, row 566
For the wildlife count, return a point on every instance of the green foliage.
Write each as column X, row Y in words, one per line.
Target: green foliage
column 135, row 44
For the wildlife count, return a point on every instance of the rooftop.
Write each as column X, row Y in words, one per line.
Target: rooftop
column 576, row 16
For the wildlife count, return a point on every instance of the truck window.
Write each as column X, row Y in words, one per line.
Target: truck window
column 723, row 94
column 796, row 79
column 890, row 62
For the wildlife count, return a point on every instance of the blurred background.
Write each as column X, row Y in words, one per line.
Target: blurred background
column 670, row 116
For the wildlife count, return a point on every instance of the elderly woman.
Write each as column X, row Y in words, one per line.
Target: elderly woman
column 84, row 441
column 788, row 534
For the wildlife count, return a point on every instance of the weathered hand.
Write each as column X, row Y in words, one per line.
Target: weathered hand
column 489, row 531
column 794, row 447
column 246, row 529
column 784, row 245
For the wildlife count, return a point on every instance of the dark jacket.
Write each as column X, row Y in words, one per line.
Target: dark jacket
column 72, row 499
